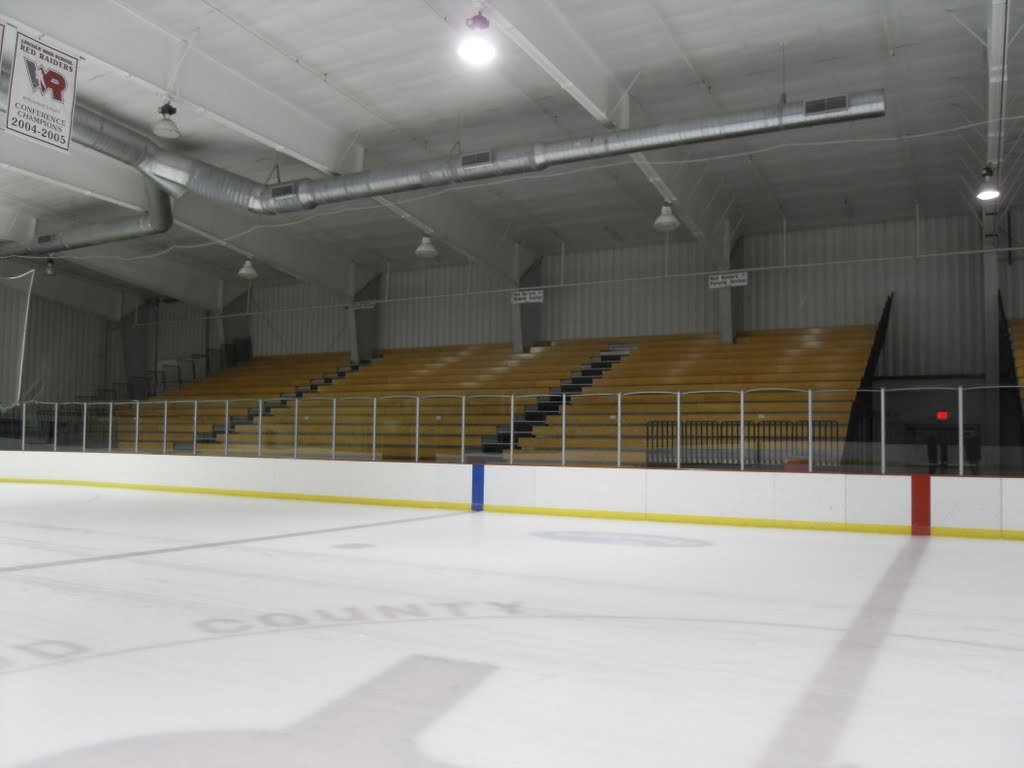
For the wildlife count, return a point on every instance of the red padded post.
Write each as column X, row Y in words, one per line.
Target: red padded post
column 921, row 505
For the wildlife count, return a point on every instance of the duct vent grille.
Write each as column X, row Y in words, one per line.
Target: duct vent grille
column 830, row 104
column 284, row 190
column 477, row 158
column 45, row 238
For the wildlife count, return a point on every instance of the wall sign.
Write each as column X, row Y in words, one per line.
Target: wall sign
column 528, row 296
column 41, row 104
column 728, row 280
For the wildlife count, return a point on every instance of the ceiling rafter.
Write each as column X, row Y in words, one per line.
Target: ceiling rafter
column 464, row 233
column 545, row 36
column 92, row 174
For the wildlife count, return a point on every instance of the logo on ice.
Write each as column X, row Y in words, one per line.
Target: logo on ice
column 44, row 80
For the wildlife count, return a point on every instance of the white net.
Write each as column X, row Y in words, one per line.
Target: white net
column 15, row 294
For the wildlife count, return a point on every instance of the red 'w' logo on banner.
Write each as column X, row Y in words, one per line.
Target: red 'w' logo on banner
column 44, row 80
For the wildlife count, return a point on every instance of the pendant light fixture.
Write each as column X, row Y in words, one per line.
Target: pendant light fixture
column 988, row 189
column 248, row 271
column 426, row 249
column 477, row 48
column 666, row 221
column 165, row 127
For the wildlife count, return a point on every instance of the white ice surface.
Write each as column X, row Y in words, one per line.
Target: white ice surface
column 567, row 642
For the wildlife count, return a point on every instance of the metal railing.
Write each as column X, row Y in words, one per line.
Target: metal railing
column 974, row 431
column 767, row 444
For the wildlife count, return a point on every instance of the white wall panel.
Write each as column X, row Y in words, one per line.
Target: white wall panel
column 444, row 306
column 297, row 319
column 638, row 293
column 65, row 352
column 826, row 277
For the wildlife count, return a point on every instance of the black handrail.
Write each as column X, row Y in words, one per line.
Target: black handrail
column 717, row 443
column 862, row 427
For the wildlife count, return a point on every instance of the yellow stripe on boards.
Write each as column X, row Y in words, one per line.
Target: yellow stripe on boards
column 246, row 494
column 970, row 533
column 1014, row 535
column 751, row 522
column 593, row 513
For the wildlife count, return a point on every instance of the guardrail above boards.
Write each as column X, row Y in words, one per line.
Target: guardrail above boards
column 937, row 430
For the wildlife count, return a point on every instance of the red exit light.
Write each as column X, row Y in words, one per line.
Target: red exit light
column 942, row 415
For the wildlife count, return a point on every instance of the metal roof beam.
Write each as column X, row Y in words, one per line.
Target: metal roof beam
column 551, row 41
column 267, row 240
column 160, row 277
column 996, row 82
column 89, row 173
column 468, row 235
column 69, row 290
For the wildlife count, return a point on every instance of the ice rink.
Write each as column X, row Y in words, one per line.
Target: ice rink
column 147, row 629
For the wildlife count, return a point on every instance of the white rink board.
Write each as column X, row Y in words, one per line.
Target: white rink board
column 613, row 490
column 875, row 500
column 434, row 483
column 1013, row 505
column 709, row 494
column 510, row 486
column 978, row 504
column 967, row 502
column 809, row 497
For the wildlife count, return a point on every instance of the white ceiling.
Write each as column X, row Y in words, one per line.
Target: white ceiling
column 282, row 87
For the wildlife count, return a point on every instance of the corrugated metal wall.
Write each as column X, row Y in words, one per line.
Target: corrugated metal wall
column 13, row 296
column 455, row 314
column 1011, row 269
column 297, row 319
column 1011, row 278
column 65, row 353
column 831, row 276
column 638, row 299
column 936, row 325
column 181, row 331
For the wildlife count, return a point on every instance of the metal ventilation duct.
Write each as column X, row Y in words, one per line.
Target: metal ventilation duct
column 179, row 174
column 154, row 221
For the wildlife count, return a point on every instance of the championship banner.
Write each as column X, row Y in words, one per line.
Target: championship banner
column 42, row 94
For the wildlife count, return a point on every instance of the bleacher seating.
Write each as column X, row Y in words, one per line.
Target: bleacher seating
column 484, row 374
column 830, row 360
column 262, row 378
column 372, row 410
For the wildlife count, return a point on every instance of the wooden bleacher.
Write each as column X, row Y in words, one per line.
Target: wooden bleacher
column 337, row 420
column 485, row 374
column 815, row 358
column 262, row 378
